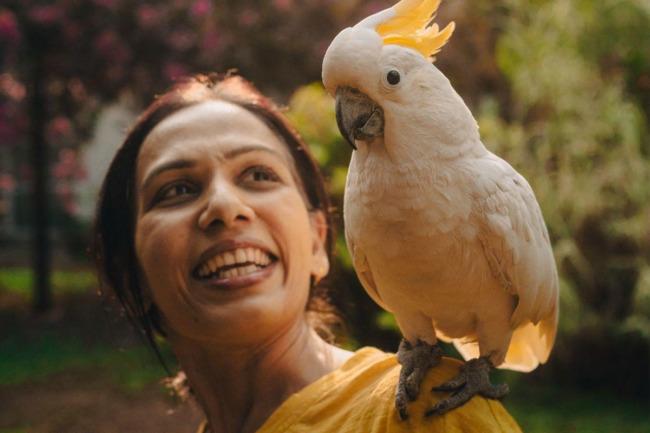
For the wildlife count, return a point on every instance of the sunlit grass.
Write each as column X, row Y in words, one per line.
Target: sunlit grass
column 36, row 359
column 542, row 409
column 576, row 413
column 14, row 430
column 21, row 281
column 49, row 354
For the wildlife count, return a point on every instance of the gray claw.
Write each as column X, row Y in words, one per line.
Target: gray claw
column 473, row 379
column 416, row 360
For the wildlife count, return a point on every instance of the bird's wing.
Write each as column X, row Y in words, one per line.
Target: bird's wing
column 364, row 272
column 516, row 243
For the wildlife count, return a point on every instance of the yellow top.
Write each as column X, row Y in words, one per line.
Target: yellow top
column 360, row 397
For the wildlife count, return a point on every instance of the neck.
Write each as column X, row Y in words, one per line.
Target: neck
column 240, row 387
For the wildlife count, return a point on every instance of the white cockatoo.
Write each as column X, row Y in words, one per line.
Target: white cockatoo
column 442, row 233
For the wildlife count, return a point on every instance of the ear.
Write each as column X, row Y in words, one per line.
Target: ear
column 320, row 264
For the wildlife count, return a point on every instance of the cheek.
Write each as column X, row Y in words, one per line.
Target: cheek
column 156, row 249
column 292, row 221
column 297, row 244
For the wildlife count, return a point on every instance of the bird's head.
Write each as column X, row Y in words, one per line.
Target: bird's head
column 382, row 68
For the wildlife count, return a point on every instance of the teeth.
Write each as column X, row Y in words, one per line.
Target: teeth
column 248, row 260
column 229, row 273
column 229, row 258
column 257, row 256
column 240, row 255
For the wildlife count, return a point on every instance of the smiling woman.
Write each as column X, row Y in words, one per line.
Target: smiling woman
column 213, row 230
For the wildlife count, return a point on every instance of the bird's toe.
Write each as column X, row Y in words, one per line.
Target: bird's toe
column 473, row 379
column 416, row 360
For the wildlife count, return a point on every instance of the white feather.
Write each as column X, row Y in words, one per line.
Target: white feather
column 443, row 233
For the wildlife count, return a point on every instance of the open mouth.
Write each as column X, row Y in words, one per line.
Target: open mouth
column 235, row 263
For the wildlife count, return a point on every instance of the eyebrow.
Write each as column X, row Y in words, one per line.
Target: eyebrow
column 178, row 164
column 253, row 148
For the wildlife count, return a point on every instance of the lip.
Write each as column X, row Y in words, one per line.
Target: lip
column 240, row 280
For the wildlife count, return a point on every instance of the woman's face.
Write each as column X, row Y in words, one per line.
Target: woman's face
column 224, row 240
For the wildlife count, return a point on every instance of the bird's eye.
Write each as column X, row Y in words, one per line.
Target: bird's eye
column 392, row 78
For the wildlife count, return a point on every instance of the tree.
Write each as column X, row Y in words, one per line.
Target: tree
column 71, row 56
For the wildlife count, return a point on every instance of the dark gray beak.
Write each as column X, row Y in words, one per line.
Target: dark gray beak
column 357, row 116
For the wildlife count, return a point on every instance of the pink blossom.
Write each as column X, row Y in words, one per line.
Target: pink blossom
column 72, row 30
column 248, row 17
column 64, row 190
column 71, row 207
column 58, row 128
column 106, row 42
column 8, row 27
column 61, row 171
column 121, row 53
column 68, row 167
column 12, row 88
column 147, row 15
column 282, row 5
column 81, row 173
column 7, row 182
column 65, row 166
column 46, row 15
column 67, row 156
column 174, row 70
column 77, row 89
column 200, row 8
column 181, row 40
column 111, row 47
column 211, row 42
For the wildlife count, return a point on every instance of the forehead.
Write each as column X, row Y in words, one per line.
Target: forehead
column 217, row 125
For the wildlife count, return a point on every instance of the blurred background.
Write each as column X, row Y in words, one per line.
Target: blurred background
column 560, row 89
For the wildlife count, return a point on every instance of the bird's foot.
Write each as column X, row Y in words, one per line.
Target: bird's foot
column 416, row 360
column 474, row 378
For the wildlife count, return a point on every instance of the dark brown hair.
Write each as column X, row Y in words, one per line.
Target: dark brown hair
column 114, row 232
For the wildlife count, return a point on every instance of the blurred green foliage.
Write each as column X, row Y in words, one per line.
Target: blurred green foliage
column 571, row 114
column 578, row 131
column 37, row 360
column 553, row 409
column 20, row 280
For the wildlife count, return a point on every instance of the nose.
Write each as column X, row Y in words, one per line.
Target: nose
column 225, row 206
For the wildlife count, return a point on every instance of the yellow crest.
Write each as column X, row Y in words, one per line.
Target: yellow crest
column 410, row 27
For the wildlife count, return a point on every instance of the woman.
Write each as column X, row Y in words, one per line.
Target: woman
column 213, row 231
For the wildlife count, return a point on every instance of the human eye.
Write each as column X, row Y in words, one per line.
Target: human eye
column 174, row 192
column 259, row 175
